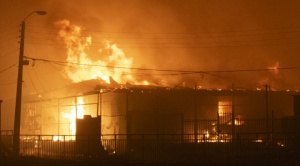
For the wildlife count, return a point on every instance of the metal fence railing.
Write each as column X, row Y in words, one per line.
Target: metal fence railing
column 203, row 141
column 160, row 147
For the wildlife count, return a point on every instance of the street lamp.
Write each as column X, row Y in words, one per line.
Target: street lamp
column 17, row 122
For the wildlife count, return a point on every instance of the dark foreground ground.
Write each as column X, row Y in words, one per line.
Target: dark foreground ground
column 33, row 161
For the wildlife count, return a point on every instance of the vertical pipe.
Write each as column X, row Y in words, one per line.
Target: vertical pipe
column 42, row 115
column 100, row 113
column 218, row 125
column 233, row 114
column 128, row 118
column 195, row 119
column 182, row 127
column 272, row 128
column 75, row 116
column 272, row 123
column 58, row 118
column 115, row 142
column 38, row 145
column 101, row 104
column 267, row 113
column 64, row 151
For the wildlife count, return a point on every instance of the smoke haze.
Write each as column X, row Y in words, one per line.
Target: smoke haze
column 181, row 35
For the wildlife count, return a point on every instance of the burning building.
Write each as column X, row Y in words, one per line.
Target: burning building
column 155, row 110
column 113, row 104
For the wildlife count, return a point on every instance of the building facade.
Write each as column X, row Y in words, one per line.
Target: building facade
column 196, row 114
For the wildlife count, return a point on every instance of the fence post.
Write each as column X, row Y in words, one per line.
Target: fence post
column 38, row 145
column 143, row 147
column 115, row 138
column 64, row 156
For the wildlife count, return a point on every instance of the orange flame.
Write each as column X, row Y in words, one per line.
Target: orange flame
column 275, row 68
column 80, row 67
column 77, row 112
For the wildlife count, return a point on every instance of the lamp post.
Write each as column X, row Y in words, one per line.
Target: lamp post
column 17, row 122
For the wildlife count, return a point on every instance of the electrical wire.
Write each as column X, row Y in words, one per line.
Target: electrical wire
column 8, row 32
column 8, row 53
column 172, row 33
column 184, row 35
column 212, row 73
column 44, row 89
column 268, row 37
column 165, row 70
column 32, row 81
column 8, row 68
column 8, row 83
column 194, row 37
column 250, row 83
column 189, row 42
column 185, row 43
column 273, row 40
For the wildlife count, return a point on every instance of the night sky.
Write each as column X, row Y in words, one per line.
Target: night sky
column 230, row 41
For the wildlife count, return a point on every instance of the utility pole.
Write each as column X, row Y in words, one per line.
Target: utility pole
column 17, row 122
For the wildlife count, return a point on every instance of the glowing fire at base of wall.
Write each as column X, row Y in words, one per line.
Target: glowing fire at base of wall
column 57, row 117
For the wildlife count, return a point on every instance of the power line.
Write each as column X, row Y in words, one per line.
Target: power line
column 172, row 72
column 59, row 70
column 168, row 37
column 250, row 83
column 31, row 81
column 179, row 35
column 172, row 33
column 8, row 68
column 166, row 70
column 184, row 47
column 5, row 54
column 40, row 81
column 8, row 83
column 8, row 32
column 213, row 73
column 289, row 40
column 181, row 44
column 189, row 42
column 191, row 35
column 40, row 97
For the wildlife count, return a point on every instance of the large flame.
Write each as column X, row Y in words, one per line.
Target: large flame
column 77, row 112
column 111, row 63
